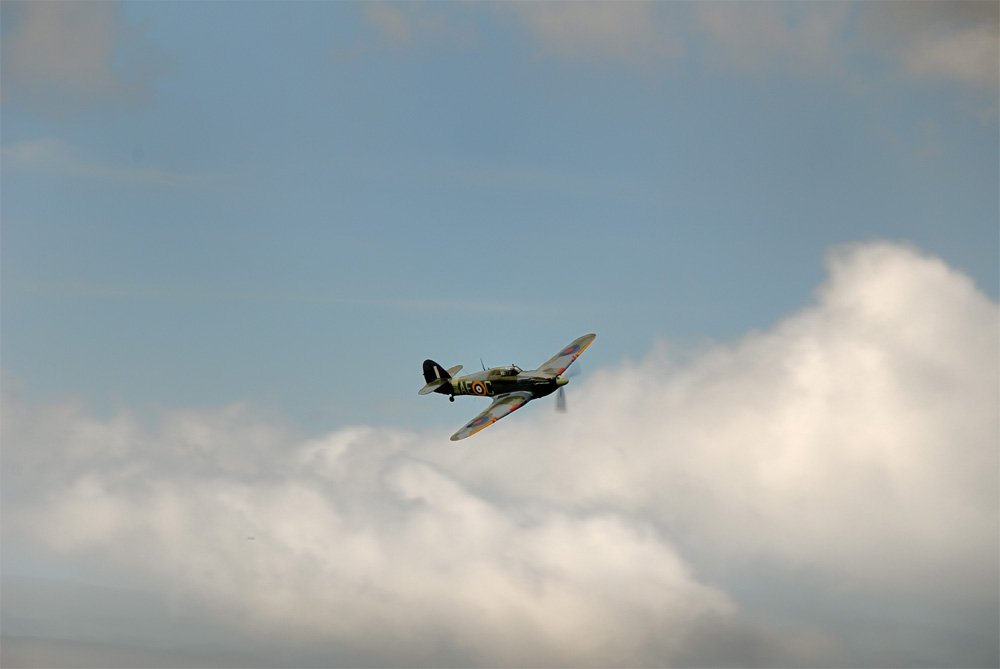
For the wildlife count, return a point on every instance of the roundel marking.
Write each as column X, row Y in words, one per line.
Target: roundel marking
column 478, row 388
column 479, row 421
column 570, row 350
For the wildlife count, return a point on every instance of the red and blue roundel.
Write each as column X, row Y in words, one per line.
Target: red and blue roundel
column 570, row 350
column 482, row 420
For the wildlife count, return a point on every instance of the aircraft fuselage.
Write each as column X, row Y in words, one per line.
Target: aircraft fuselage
column 501, row 380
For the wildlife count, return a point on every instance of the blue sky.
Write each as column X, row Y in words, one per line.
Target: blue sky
column 232, row 232
column 294, row 205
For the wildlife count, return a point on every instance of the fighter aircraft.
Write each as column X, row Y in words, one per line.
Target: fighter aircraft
column 510, row 387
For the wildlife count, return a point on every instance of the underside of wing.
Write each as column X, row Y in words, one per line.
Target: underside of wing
column 558, row 363
column 502, row 405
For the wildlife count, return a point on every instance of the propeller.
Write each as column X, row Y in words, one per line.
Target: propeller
column 561, row 393
column 561, row 400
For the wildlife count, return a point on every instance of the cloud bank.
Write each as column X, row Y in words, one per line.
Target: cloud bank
column 824, row 492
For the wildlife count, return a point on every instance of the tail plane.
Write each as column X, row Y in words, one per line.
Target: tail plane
column 437, row 376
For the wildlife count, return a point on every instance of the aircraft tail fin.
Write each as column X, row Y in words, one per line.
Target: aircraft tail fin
column 437, row 378
column 434, row 372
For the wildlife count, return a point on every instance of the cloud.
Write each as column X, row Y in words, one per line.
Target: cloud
column 762, row 38
column 856, row 45
column 391, row 23
column 743, row 504
column 66, row 56
column 629, row 33
column 954, row 41
column 869, row 419
column 358, row 546
column 55, row 156
column 928, row 42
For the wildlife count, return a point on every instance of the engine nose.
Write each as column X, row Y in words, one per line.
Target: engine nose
column 561, row 380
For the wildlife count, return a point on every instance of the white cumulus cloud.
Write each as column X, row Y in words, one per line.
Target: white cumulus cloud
column 741, row 504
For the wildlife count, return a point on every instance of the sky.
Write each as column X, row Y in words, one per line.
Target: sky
column 230, row 233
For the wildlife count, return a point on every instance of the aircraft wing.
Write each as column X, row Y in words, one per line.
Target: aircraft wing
column 502, row 405
column 558, row 363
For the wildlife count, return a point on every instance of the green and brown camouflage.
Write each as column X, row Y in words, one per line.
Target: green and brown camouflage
column 510, row 387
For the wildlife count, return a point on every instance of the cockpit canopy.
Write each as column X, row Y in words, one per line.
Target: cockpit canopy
column 513, row 370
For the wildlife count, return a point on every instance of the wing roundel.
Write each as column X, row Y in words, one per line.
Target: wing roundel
column 502, row 406
column 558, row 363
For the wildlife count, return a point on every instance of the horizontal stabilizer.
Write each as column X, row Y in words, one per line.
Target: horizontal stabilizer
column 432, row 386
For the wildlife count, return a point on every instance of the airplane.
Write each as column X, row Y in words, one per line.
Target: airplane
column 510, row 387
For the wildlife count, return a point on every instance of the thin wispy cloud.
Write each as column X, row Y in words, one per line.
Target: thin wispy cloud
column 629, row 33
column 914, row 43
column 390, row 21
column 775, row 38
column 58, row 157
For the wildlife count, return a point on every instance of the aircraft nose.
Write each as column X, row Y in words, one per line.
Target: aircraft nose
column 561, row 380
